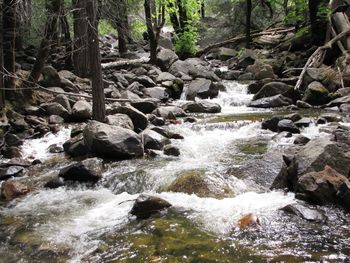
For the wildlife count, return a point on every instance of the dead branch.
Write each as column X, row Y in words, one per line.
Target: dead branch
column 124, row 63
column 237, row 39
column 319, row 51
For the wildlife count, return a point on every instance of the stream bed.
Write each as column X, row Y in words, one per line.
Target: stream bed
column 238, row 160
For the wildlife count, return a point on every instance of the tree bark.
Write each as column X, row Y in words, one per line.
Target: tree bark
column 80, row 43
column 98, row 101
column 9, row 42
column 53, row 8
column 152, row 38
column 248, row 38
column 122, row 26
column 182, row 15
column 173, row 18
column 318, row 25
column 2, row 91
column 67, row 42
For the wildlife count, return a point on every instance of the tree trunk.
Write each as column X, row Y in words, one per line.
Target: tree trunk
column 53, row 8
column 182, row 15
column 203, row 9
column 80, row 52
column 98, row 100
column 152, row 38
column 248, row 22
column 173, row 18
column 318, row 25
column 2, row 91
column 67, row 42
column 9, row 37
column 122, row 26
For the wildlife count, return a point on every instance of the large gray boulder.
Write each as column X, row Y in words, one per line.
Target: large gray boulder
column 169, row 112
column 121, row 120
column 89, row 170
column 165, row 58
column 316, row 94
column 272, row 89
column 82, row 110
column 55, row 108
column 202, row 88
column 111, row 141
column 201, row 107
column 159, row 93
column 261, row 70
column 139, row 119
column 271, row 102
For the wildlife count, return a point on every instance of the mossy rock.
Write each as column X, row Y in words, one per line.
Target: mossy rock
column 196, row 182
column 252, row 147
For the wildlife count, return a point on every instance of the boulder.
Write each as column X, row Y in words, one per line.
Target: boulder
column 171, row 150
column 55, row 108
column 89, row 170
column 226, row 53
column 159, row 93
column 271, row 102
column 55, row 148
column 165, row 76
column 248, row 221
column 302, row 123
column 165, row 58
column 55, row 183
column 246, row 58
column 82, row 110
column 331, row 117
column 272, row 89
column 112, row 141
column 145, row 206
column 339, row 101
column 51, row 77
column 181, row 67
column 153, row 140
column 76, row 146
column 19, row 125
column 201, row 107
column 316, row 94
column 322, row 187
column 55, row 119
column 145, row 81
column 146, row 105
column 169, row 112
column 301, row 140
column 261, row 70
column 12, row 171
column 202, row 88
column 304, row 212
column 13, row 189
column 121, row 120
column 11, row 152
column 345, row 108
column 288, row 126
column 139, row 119
column 13, row 140
column 303, row 105
column 271, row 124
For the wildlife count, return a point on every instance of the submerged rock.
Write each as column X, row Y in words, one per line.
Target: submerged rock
column 13, row 189
column 169, row 112
column 55, row 183
column 145, row 206
column 89, row 170
column 271, row 102
column 111, row 141
column 202, row 107
column 248, row 220
column 288, row 126
column 12, row 171
column 171, row 150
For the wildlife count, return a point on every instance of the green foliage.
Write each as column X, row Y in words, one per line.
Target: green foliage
column 138, row 27
column 186, row 42
column 105, row 28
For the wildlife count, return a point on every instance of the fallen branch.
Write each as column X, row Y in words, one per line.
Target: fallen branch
column 319, row 51
column 240, row 38
column 125, row 63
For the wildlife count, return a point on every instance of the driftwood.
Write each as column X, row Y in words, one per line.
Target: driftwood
column 125, row 63
column 237, row 39
column 319, row 52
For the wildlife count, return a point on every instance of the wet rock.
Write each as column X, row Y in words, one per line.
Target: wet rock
column 302, row 123
column 303, row 105
column 36, row 162
column 202, row 88
column 153, row 140
column 165, row 76
column 293, row 117
column 121, row 120
column 159, row 93
column 76, row 146
column 82, row 110
column 13, row 140
column 321, row 121
column 112, row 141
column 117, row 77
column 316, row 94
column 156, row 121
column 54, row 148
column 55, row 183
column 129, row 95
column 145, row 206
column 301, row 140
column 180, row 67
column 304, row 212
column 271, row 102
column 345, row 108
column 55, row 119
column 246, row 76
column 342, row 135
column 202, row 107
column 13, row 189
column 171, row 150
column 332, row 117
column 146, row 105
column 246, row 58
column 139, row 119
column 33, row 110
column 288, row 126
column 19, row 125
column 165, row 58
column 169, row 112
column 12, row 171
column 322, row 187
column 190, row 119
column 339, row 101
column 271, row 124
column 272, row 89
column 89, row 170
column 12, row 152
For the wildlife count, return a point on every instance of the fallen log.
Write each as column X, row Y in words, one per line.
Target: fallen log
column 125, row 63
column 318, row 53
column 240, row 38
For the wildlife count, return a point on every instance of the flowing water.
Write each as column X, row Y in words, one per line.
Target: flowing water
column 238, row 160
